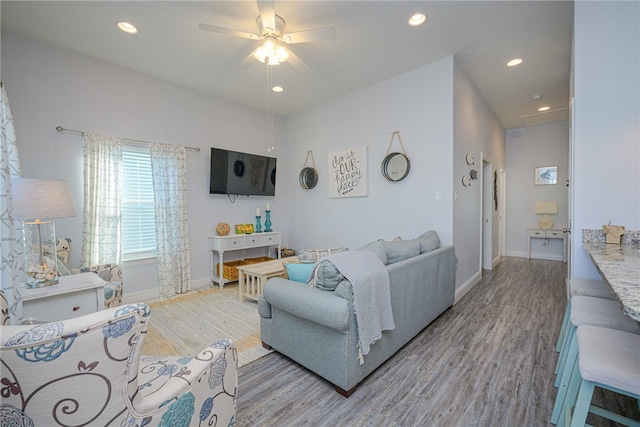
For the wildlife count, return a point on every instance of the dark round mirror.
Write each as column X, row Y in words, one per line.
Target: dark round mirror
column 308, row 178
column 395, row 166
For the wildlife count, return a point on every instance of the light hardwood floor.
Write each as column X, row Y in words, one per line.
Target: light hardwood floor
column 487, row 361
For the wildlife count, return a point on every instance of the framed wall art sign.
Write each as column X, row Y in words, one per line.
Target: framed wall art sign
column 545, row 175
column 348, row 173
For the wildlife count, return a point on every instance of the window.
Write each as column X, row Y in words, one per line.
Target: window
column 137, row 204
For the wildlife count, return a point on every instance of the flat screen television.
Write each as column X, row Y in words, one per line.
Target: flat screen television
column 242, row 174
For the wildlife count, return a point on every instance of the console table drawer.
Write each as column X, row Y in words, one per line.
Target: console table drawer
column 536, row 233
column 62, row 307
column 234, row 243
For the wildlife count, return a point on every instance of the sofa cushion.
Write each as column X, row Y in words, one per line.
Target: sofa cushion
column 325, row 276
column 377, row 248
column 397, row 251
column 428, row 241
column 299, row 271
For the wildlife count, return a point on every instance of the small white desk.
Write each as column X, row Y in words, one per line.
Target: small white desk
column 537, row 233
column 221, row 244
column 73, row 296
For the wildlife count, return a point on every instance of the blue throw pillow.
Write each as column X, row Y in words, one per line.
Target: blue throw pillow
column 299, row 272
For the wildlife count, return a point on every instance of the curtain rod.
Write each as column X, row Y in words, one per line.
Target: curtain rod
column 79, row 132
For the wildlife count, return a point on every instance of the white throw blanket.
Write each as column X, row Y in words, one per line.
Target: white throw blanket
column 371, row 295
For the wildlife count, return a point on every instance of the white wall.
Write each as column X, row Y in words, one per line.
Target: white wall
column 419, row 105
column 527, row 148
column 477, row 132
column 49, row 86
column 607, row 121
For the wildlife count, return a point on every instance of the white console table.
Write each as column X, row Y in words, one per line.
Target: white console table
column 537, row 233
column 222, row 244
column 73, row 296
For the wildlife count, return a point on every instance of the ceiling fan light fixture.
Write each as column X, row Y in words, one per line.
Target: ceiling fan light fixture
column 272, row 60
column 269, row 46
column 282, row 54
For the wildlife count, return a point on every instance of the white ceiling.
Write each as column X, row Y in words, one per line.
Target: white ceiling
column 373, row 43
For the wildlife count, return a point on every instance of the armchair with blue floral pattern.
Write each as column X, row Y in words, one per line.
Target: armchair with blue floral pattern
column 110, row 273
column 89, row 371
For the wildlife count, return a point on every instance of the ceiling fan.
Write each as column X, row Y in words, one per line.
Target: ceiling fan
column 272, row 36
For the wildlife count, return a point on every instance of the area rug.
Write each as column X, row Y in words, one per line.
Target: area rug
column 185, row 324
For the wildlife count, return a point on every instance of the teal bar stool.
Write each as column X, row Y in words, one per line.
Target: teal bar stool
column 608, row 359
column 585, row 287
column 586, row 311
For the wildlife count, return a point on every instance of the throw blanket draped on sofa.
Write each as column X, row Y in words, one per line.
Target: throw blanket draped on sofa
column 371, row 295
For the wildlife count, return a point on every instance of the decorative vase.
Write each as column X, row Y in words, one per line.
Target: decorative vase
column 267, row 221
column 258, row 226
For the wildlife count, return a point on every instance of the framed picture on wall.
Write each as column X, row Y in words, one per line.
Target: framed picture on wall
column 545, row 175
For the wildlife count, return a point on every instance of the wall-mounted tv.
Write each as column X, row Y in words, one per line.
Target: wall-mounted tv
column 242, row 174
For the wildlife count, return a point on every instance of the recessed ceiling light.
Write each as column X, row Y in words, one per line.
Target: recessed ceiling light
column 127, row 27
column 417, row 19
column 543, row 109
column 515, row 62
column 277, row 89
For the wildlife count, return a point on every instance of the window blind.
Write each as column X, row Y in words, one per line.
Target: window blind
column 138, row 212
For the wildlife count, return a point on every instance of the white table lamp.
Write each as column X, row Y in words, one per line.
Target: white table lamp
column 35, row 200
column 546, row 207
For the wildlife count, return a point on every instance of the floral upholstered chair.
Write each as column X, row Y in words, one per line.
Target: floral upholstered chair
column 110, row 273
column 88, row 371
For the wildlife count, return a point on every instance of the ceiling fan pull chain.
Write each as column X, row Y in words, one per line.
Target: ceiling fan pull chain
column 396, row 133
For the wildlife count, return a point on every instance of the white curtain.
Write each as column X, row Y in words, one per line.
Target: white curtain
column 169, row 169
column 11, row 238
column 101, row 228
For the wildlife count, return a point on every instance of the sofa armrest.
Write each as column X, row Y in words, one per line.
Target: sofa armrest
column 313, row 304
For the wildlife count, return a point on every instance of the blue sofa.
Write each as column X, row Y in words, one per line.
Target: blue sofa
column 317, row 328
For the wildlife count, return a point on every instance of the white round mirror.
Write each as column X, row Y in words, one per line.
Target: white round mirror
column 395, row 166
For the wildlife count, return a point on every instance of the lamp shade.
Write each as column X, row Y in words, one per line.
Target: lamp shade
column 547, row 207
column 41, row 199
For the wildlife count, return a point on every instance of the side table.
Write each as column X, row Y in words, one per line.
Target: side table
column 252, row 277
column 537, row 233
column 73, row 296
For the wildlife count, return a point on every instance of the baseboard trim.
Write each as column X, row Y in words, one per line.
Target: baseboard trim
column 467, row 286
column 536, row 255
column 147, row 294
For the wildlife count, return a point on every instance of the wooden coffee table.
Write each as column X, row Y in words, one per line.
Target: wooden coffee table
column 252, row 277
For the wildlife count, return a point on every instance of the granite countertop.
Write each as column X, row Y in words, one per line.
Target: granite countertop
column 619, row 266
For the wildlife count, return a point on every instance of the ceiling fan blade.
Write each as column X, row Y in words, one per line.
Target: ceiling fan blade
column 229, row 31
column 248, row 60
column 268, row 15
column 297, row 63
column 315, row 35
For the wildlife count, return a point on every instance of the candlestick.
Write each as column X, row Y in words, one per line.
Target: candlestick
column 258, row 226
column 257, row 211
column 267, row 221
column 268, row 207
